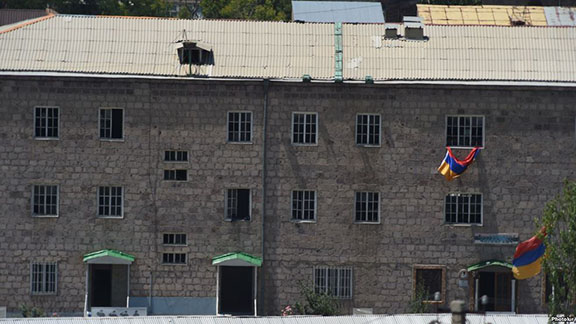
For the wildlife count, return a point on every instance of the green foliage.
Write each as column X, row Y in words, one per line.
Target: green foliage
column 316, row 303
column 184, row 13
column 560, row 260
column 155, row 8
column 31, row 311
column 279, row 10
column 417, row 304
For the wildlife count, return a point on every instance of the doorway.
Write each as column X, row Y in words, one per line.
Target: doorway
column 237, row 295
column 499, row 288
column 101, row 285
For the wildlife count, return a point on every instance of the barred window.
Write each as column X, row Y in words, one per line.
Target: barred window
column 239, row 126
column 367, row 207
column 174, row 258
column 428, row 280
column 337, row 282
column 175, row 156
column 176, row 175
column 464, row 131
column 46, row 122
column 463, row 209
column 45, row 200
column 110, row 202
column 238, row 204
column 304, row 205
column 368, row 129
column 304, row 127
column 43, row 278
column 174, row 239
column 111, row 123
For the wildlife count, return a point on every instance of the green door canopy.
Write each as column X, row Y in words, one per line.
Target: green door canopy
column 108, row 257
column 237, row 259
column 489, row 263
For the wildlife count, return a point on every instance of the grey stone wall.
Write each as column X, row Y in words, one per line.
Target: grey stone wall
column 529, row 149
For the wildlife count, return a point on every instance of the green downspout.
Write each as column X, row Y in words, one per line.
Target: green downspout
column 338, row 53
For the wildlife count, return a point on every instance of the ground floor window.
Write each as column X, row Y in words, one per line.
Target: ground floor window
column 429, row 283
column 43, row 278
column 335, row 281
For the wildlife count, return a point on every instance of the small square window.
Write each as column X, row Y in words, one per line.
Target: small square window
column 174, row 239
column 304, row 128
column 303, row 205
column 111, row 123
column 46, row 122
column 465, row 131
column 176, row 175
column 368, row 130
column 174, row 258
column 463, row 209
column 43, row 278
column 110, row 202
column 239, row 127
column 238, row 204
column 429, row 280
column 367, row 207
column 176, row 156
column 334, row 281
column 45, row 201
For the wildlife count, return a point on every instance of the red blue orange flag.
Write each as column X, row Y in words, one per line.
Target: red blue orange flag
column 527, row 260
column 451, row 168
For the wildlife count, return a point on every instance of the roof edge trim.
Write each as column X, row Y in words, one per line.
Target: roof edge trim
column 27, row 23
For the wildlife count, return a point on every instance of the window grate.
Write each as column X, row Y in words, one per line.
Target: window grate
column 174, row 258
column 337, row 282
column 43, row 278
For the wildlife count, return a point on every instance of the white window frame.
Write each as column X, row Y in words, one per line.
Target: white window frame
column 468, row 116
column 251, row 126
column 306, row 113
column 57, row 201
column 339, row 288
column 379, row 206
column 174, row 180
column 110, row 204
column 228, row 219
column 370, row 117
column 296, row 220
column 176, row 152
column 175, row 244
column 174, row 263
column 108, row 139
column 464, row 224
column 49, row 138
column 43, row 280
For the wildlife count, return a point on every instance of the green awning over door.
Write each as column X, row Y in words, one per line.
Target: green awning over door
column 489, row 263
column 237, row 259
column 108, row 257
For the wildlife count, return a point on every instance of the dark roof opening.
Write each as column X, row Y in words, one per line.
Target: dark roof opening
column 190, row 53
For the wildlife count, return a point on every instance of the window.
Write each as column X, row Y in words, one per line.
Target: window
column 46, row 122
column 367, row 207
column 463, row 209
column 176, row 175
column 174, row 239
column 110, row 202
column 45, row 201
column 238, row 204
column 176, row 156
column 368, row 130
column 174, row 258
column 239, row 127
column 550, row 291
column 427, row 280
column 304, row 128
column 191, row 53
column 111, row 123
column 303, row 205
column 337, row 282
column 464, row 131
column 43, row 278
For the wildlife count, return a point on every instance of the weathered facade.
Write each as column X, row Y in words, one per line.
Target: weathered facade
column 368, row 254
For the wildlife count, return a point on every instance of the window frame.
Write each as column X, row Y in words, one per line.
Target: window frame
column 251, row 141
column 46, row 138
column 327, row 288
column 176, row 153
column 468, row 116
column 379, row 129
column 110, row 139
column 229, row 219
column 44, row 279
column 175, row 173
column 57, row 201
column 174, row 263
column 292, row 128
column 379, row 207
column 443, row 283
column 464, row 224
column 121, row 202
column 296, row 220
column 175, row 244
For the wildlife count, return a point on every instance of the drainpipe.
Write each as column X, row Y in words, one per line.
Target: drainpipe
column 338, row 78
column 264, row 170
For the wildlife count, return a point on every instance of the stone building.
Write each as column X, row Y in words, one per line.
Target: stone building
column 203, row 167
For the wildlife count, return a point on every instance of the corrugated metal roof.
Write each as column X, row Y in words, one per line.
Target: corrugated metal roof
column 368, row 319
column 337, row 11
column 481, row 15
column 560, row 16
column 277, row 50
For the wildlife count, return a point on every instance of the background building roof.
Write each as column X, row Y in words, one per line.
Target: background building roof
column 10, row 16
column 337, row 11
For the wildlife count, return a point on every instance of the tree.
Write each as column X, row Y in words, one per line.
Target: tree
column 559, row 262
column 155, row 8
column 279, row 10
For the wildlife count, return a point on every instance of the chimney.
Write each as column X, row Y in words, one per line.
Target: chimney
column 413, row 28
column 391, row 31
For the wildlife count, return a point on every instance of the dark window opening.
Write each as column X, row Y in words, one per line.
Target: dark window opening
column 238, row 204
column 174, row 239
column 175, row 156
column 111, row 123
column 176, row 175
column 190, row 53
column 428, row 282
column 174, row 258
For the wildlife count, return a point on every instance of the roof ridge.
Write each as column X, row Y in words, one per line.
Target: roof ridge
column 27, row 23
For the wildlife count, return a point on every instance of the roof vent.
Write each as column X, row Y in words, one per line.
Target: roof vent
column 193, row 54
column 391, row 31
column 413, row 28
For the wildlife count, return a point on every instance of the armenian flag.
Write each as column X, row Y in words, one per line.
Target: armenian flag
column 528, row 257
column 451, row 168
